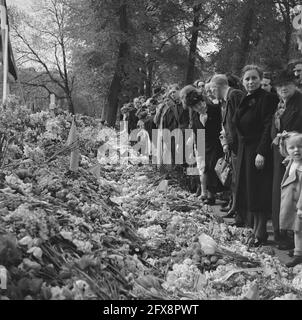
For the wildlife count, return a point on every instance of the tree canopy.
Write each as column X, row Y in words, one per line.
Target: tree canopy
column 112, row 51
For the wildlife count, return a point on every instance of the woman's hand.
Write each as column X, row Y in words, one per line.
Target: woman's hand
column 259, row 162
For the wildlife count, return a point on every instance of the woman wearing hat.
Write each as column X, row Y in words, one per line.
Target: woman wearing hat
column 288, row 117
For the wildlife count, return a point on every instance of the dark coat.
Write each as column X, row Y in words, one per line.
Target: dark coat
column 213, row 148
column 253, row 121
column 291, row 120
column 176, row 117
column 234, row 98
column 150, row 127
column 132, row 120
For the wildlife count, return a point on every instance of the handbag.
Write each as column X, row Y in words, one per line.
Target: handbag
column 223, row 170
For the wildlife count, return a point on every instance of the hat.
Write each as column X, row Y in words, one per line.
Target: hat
column 190, row 96
column 285, row 77
column 296, row 66
column 267, row 75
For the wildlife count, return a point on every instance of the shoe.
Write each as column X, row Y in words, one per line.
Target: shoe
column 286, row 246
column 259, row 242
column 210, row 201
column 250, row 240
column 231, row 214
column 198, row 192
column 203, row 197
column 291, row 253
column 277, row 237
column 295, row 261
column 237, row 224
column 226, row 209
column 225, row 204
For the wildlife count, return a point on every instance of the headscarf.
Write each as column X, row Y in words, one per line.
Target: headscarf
column 278, row 114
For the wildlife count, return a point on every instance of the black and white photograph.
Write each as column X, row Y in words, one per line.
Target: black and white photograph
column 150, row 154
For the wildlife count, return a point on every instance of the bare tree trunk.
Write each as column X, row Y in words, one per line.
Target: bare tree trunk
column 244, row 48
column 70, row 103
column 193, row 45
column 116, row 84
column 149, row 79
column 288, row 28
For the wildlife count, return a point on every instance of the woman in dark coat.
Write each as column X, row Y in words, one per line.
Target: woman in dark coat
column 211, row 122
column 254, row 159
column 288, row 117
column 213, row 150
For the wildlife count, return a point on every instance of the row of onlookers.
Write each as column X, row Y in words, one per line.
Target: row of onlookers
column 257, row 123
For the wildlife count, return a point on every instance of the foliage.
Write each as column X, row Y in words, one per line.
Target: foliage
column 269, row 35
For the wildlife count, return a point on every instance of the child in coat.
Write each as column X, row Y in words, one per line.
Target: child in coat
column 291, row 191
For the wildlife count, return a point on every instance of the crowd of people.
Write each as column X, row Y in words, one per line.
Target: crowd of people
column 255, row 123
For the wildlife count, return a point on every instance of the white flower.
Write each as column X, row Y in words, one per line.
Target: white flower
column 84, row 246
column 150, row 232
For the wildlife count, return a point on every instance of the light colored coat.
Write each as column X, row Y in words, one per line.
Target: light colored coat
column 291, row 200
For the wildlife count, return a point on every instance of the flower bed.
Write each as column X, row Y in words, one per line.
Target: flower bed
column 114, row 235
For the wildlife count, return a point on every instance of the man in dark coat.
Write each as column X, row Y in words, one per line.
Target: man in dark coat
column 288, row 117
column 128, row 113
column 230, row 99
column 170, row 116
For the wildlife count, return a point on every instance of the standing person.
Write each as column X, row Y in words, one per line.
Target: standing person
column 149, row 121
column 194, row 99
column 288, row 117
column 230, row 99
column 297, row 70
column 291, row 191
column 129, row 115
column 253, row 121
column 234, row 81
column 213, row 148
column 172, row 116
column 199, row 84
column 266, row 83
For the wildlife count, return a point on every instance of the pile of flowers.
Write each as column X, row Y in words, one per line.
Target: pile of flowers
column 109, row 231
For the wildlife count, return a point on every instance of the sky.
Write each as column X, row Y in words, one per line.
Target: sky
column 24, row 4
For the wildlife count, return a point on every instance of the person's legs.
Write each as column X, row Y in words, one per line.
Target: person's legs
column 203, row 181
column 298, row 251
column 298, row 244
column 261, row 231
column 233, row 159
column 256, row 224
column 286, row 240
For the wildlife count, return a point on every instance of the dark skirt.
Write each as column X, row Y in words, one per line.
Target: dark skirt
column 253, row 186
column 213, row 152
